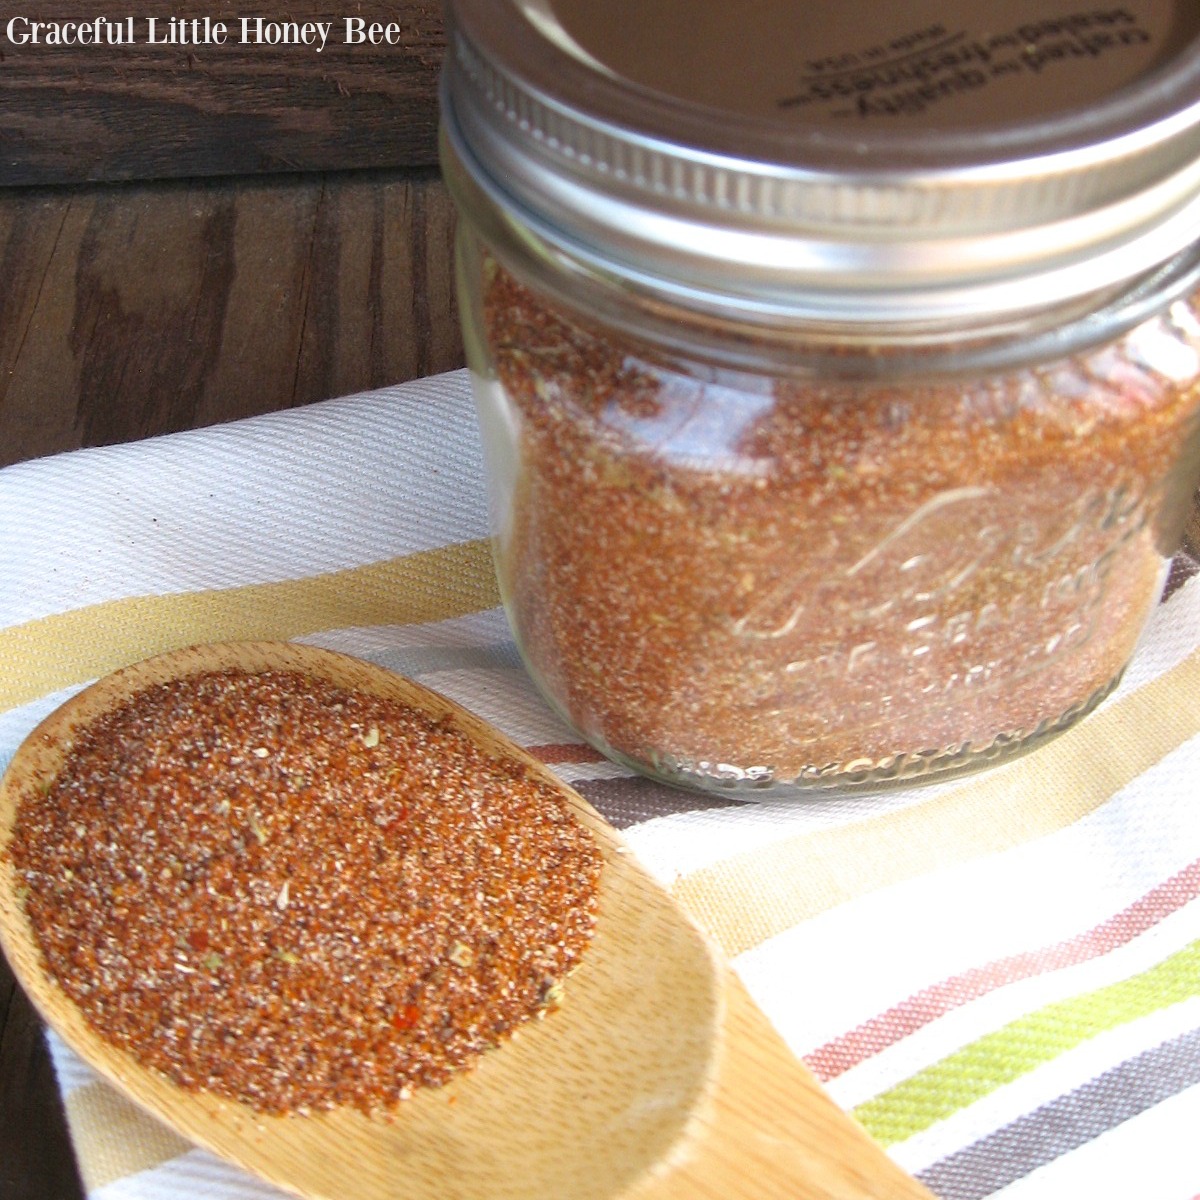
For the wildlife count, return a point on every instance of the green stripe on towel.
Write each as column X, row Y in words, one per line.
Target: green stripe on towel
column 997, row 1058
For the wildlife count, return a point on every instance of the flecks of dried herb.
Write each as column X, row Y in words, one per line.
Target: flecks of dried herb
column 300, row 896
column 824, row 580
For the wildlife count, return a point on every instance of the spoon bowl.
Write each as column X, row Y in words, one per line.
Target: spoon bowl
column 656, row 1077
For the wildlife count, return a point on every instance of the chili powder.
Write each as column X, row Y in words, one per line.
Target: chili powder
column 732, row 578
column 299, row 896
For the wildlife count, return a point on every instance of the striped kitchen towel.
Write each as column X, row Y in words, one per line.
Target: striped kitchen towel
column 1000, row 977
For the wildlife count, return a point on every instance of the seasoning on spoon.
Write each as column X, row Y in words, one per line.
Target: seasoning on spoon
column 300, row 896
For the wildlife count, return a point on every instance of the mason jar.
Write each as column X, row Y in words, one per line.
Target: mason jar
column 837, row 367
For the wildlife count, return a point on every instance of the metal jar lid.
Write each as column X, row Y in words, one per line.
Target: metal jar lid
column 866, row 161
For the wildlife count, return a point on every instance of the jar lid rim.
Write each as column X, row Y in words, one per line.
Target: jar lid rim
column 636, row 179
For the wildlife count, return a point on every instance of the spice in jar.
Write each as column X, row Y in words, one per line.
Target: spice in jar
column 300, row 896
column 805, row 581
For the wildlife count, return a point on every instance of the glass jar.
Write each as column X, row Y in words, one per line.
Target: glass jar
column 841, row 405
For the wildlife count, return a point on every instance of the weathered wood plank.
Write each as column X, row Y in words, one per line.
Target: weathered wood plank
column 71, row 113
column 142, row 309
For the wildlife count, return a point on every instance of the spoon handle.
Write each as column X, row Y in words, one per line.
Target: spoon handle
column 771, row 1131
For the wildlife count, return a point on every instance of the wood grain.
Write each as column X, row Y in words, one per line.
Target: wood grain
column 135, row 310
column 772, row 1133
column 143, row 111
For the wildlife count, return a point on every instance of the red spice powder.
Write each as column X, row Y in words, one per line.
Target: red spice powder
column 733, row 581
column 299, row 896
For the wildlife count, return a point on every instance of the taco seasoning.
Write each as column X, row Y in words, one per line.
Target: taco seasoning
column 299, row 896
column 839, row 378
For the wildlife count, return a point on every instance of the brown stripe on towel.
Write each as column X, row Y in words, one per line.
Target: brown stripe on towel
column 1067, row 1123
column 626, row 802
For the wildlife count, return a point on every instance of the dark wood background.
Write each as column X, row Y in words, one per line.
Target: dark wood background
column 142, row 111
column 134, row 309
column 190, row 235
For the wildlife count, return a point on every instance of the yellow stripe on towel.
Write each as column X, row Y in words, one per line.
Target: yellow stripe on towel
column 744, row 900
column 113, row 1138
column 54, row 652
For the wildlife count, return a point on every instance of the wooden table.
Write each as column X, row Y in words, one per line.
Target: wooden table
column 194, row 235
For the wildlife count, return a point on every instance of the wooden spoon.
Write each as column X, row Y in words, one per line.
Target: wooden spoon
column 658, row 1077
